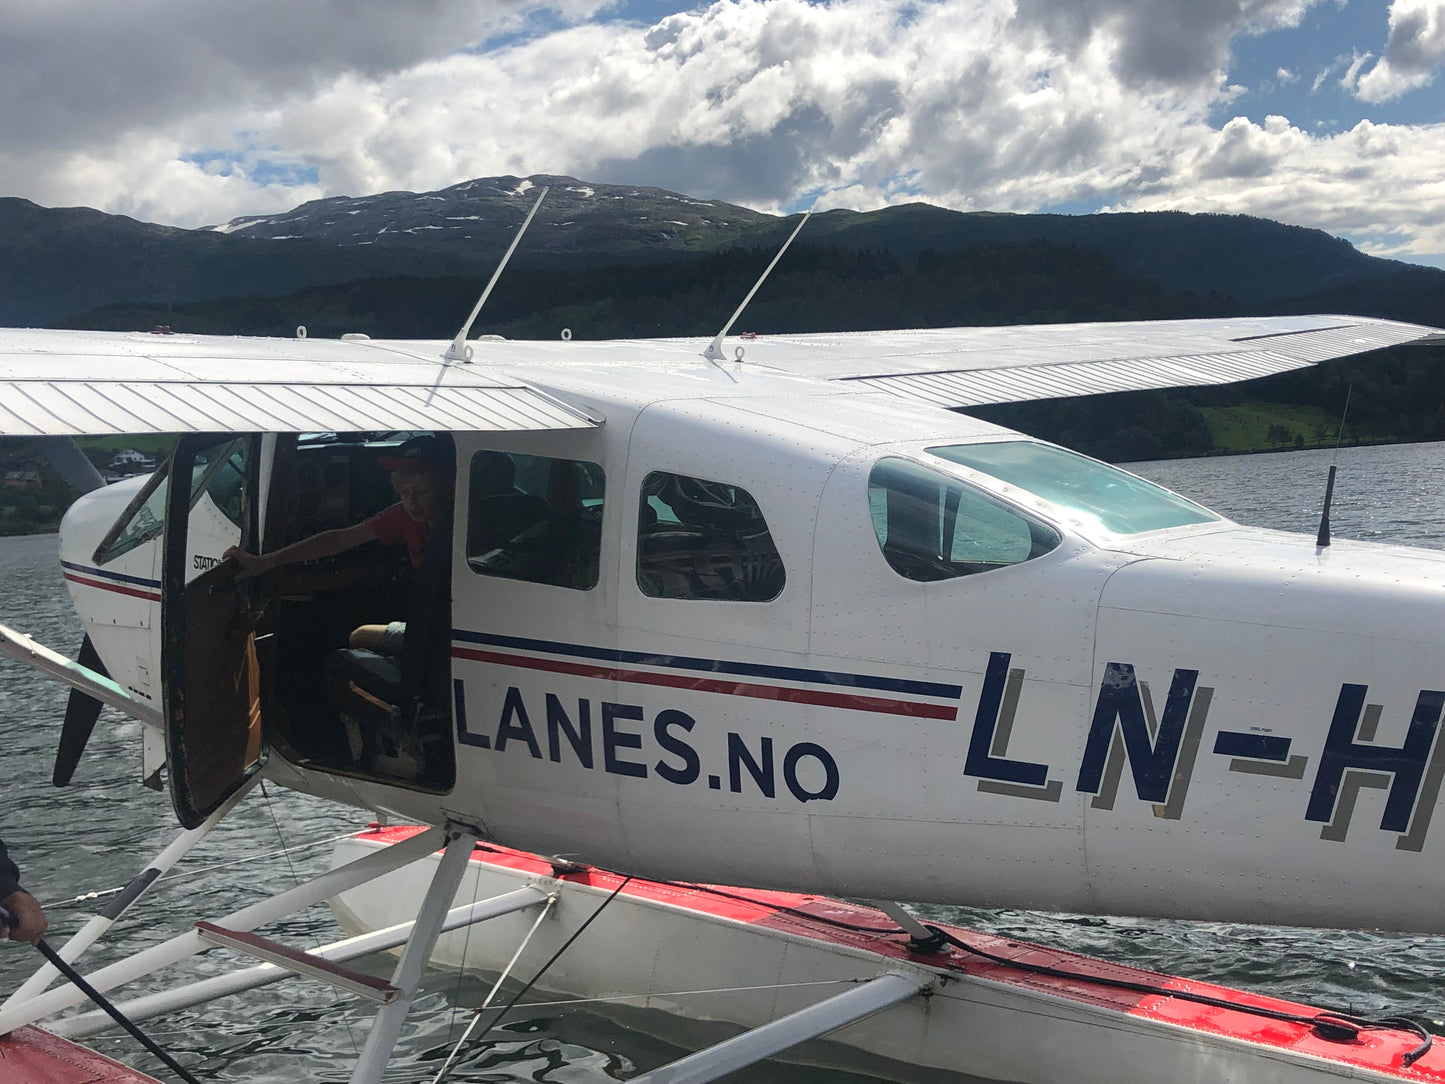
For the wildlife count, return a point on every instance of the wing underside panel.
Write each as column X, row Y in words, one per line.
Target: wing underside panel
column 956, row 367
column 73, row 408
column 1004, row 385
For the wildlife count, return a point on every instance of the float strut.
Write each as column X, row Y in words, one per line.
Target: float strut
column 788, row 1031
column 248, row 918
column 389, row 1020
column 234, row 982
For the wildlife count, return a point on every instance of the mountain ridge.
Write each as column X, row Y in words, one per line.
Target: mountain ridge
column 56, row 263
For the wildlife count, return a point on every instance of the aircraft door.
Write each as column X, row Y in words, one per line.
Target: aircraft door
column 210, row 674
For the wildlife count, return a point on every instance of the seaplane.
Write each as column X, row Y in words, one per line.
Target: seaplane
column 716, row 636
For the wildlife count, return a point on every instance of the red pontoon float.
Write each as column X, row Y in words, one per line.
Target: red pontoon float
column 989, row 1007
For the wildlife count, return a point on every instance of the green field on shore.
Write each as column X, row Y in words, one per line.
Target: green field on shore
column 1257, row 426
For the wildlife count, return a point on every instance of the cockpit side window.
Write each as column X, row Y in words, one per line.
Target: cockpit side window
column 535, row 518
column 934, row 527
column 704, row 540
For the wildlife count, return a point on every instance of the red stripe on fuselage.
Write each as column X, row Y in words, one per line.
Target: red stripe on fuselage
column 118, row 588
column 714, row 685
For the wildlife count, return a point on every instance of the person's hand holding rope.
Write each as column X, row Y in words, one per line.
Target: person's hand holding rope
column 27, row 920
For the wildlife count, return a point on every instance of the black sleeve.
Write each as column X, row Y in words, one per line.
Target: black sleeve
column 9, row 874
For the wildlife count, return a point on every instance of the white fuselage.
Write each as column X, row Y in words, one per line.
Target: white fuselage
column 1203, row 721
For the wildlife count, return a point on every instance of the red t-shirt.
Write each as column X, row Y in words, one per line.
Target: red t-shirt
column 393, row 525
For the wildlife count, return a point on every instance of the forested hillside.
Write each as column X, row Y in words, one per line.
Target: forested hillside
column 60, row 261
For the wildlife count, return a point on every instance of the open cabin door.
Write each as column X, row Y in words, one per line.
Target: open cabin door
column 210, row 675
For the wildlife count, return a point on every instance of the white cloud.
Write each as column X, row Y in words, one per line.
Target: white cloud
column 1413, row 53
column 1163, row 41
column 1323, row 76
column 1378, row 184
column 760, row 102
column 72, row 72
column 147, row 177
column 974, row 104
column 1352, row 72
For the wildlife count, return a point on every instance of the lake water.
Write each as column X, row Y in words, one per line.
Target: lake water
column 97, row 833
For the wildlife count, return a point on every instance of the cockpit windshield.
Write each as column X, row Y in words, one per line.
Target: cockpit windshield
column 1116, row 500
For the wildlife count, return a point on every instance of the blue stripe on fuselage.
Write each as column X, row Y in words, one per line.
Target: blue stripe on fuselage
column 715, row 666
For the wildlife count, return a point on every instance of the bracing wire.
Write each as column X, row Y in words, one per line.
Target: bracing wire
column 296, row 879
column 486, row 1004
column 763, row 988
column 497, row 1020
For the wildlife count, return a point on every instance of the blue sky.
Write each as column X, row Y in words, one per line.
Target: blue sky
column 1320, row 113
column 1328, row 35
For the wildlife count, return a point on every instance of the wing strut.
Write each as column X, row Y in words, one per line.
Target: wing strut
column 459, row 351
column 22, row 648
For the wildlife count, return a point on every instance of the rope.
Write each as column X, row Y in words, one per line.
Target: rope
column 687, row 993
column 296, row 877
column 461, row 972
column 558, row 954
column 102, row 893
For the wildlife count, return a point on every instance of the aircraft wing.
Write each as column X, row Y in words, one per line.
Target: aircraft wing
column 970, row 366
column 67, row 383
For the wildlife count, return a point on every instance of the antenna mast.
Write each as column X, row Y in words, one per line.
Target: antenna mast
column 714, row 349
column 1323, row 538
column 459, row 350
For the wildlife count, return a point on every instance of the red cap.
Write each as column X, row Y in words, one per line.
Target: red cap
column 420, row 454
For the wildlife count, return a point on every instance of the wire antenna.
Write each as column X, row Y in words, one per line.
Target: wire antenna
column 714, row 349
column 459, row 350
column 1322, row 539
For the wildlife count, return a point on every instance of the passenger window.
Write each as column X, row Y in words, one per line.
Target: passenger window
column 536, row 519
column 933, row 527
column 704, row 540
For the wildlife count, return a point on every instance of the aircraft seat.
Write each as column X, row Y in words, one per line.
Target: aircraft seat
column 501, row 518
column 399, row 703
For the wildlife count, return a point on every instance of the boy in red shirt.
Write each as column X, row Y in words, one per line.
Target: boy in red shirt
column 421, row 473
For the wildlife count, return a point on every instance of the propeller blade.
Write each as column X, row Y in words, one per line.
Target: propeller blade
column 81, row 712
